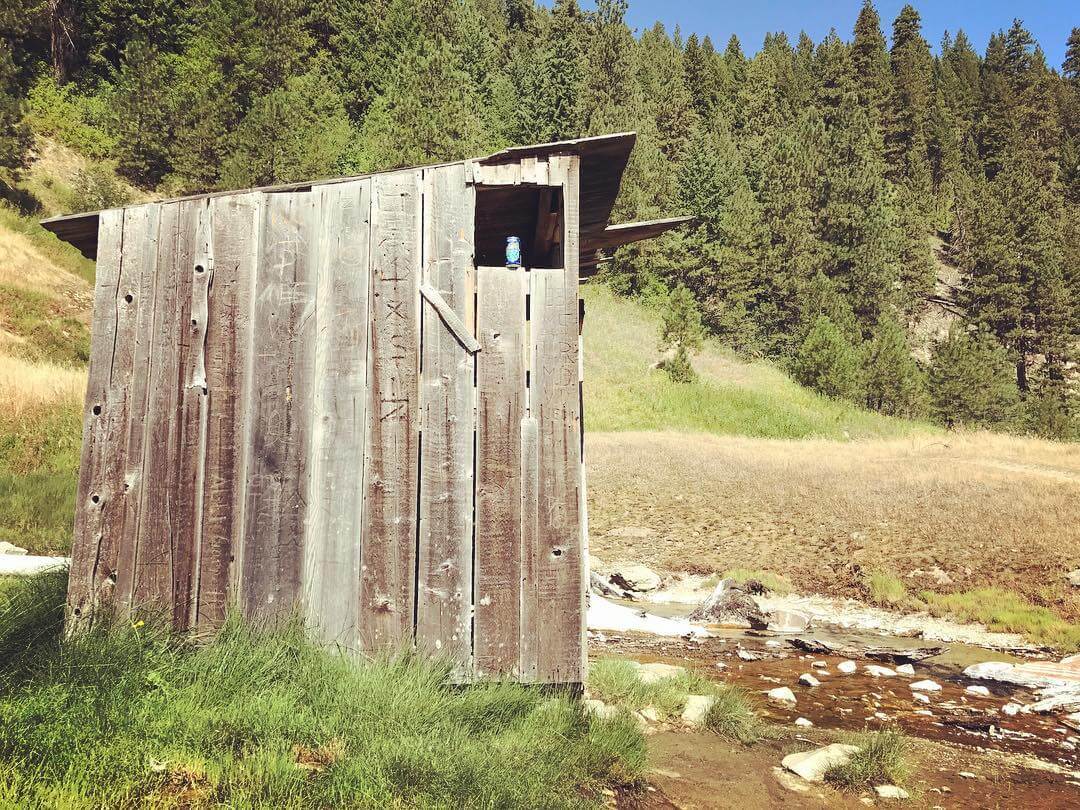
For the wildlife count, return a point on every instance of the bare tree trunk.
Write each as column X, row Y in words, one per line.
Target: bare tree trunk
column 61, row 42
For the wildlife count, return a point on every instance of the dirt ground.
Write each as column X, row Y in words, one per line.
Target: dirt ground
column 985, row 509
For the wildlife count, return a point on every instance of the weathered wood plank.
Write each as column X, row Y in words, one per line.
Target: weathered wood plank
column 151, row 583
column 454, row 322
column 447, row 400
column 500, row 387
column 388, row 550
column 341, row 325
column 555, row 406
column 529, row 654
column 193, row 274
column 96, row 417
column 234, row 238
column 280, row 411
column 140, row 271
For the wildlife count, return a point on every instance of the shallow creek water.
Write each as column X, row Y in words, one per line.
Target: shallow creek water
column 859, row 700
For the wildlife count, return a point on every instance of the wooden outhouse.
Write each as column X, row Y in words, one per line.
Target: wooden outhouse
column 336, row 398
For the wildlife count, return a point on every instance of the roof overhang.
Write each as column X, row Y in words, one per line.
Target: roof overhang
column 603, row 161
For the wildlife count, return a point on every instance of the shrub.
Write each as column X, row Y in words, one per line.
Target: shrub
column 882, row 759
column 827, row 362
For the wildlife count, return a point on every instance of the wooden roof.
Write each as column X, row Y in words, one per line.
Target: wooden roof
column 603, row 161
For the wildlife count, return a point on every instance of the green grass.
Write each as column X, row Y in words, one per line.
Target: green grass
column 615, row 681
column 887, row 590
column 48, row 335
column 1005, row 611
column 136, row 717
column 882, row 759
column 731, row 397
column 39, row 461
column 59, row 253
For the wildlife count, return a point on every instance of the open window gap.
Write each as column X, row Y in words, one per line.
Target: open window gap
column 534, row 214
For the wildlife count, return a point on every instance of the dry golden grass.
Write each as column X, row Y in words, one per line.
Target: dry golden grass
column 28, row 385
column 23, row 264
column 987, row 509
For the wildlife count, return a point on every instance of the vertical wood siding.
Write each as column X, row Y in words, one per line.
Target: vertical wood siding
column 314, row 402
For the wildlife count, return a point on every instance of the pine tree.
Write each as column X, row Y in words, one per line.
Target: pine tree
column 871, row 62
column 971, row 382
column 610, row 97
column 144, row 113
column 14, row 134
column 828, row 363
column 909, row 103
column 552, row 83
column 894, row 382
column 681, row 335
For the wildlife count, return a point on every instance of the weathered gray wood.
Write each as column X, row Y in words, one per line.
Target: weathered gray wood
column 388, row 550
column 341, row 324
column 96, row 416
column 555, row 406
column 188, row 398
column 280, row 411
column 444, row 588
column 140, row 279
column 151, row 586
column 234, row 239
column 529, row 653
column 500, row 387
column 450, row 319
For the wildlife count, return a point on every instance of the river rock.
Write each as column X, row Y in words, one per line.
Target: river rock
column 597, row 708
column 925, row 686
column 746, row 655
column 634, row 577
column 730, row 603
column 812, row 765
column 890, row 792
column 788, row 621
column 876, row 671
column 847, row 667
column 1011, row 709
column 920, row 697
column 1073, row 578
column 977, row 690
column 651, row 673
column 696, row 708
column 11, row 548
column 802, row 722
column 650, row 714
column 782, row 695
column 906, row 669
column 806, row 679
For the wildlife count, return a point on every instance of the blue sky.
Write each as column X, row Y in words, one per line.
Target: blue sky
column 1050, row 22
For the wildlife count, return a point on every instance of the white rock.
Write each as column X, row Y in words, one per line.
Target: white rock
column 920, row 697
column 924, row 712
column 812, row 765
column 697, row 706
column 26, row 565
column 792, row 783
column 890, row 792
column 905, row 669
column 802, row 722
column 597, row 708
column 746, row 655
column 967, row 775
column 720, row 665
column 880, row 672
column 11, row 548
column 650, row 714
column 782, row 695
column 1073, row 578
column 847, row 667
column 881, row 716
column 820, row 664
column 773, row 644
column 635, row 577
column 1012, row 709
column 651, row 673
column 925, row 686
column 977, row 690
column 806, row 679
column 788, row 621
column 606, row 615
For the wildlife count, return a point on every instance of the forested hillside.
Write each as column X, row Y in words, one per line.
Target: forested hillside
column 844, row 189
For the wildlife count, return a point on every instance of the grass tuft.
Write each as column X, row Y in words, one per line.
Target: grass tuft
column 882, row 759
column 1008, row 612
column 777, row 583
column 134, row 716
column 887, row 590
column 616, row 682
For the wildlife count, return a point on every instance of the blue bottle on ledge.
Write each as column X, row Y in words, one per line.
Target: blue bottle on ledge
column 513, row 253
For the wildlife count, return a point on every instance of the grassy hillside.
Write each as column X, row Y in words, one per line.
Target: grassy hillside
column 732, row 397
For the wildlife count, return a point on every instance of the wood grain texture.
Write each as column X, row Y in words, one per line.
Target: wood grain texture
column 151, row 585
column 500, row 386
column 280, row 411
column 388, row 550
column 341, row 325
column 141, row 229
column 235, row 241
column 447, row 398
column 95, row 446
column 555, row 406
column 529, row 617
